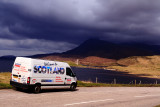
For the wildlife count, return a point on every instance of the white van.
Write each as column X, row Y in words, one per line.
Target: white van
column 37, row 74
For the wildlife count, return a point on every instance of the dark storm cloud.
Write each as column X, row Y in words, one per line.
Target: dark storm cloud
column 70, row 22
column 132, row 20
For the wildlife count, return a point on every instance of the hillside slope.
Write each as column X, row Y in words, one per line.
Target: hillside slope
column 145, row 66
column 100, row 48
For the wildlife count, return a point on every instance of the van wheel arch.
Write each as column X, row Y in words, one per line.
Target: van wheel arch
column 37, row 88
column 73, row 86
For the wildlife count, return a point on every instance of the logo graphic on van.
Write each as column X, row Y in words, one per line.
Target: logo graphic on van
column 17, row 65
column 47, row 64
column 23, row 79
column 46, row 80
column 34, row 80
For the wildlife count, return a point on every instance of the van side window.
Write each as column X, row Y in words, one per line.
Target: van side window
column 69, row 72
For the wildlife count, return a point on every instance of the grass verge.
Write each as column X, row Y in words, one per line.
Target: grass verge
column 5, row 77
column 4, row 80
column 5, row 86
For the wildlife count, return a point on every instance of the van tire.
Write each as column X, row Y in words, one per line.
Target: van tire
column 37, row 89
column 73, row 87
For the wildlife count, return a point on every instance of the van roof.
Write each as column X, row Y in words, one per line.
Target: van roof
column 37, row 59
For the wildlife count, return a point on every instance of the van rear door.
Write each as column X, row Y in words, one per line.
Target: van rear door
column 15, row 72
column 20, row 70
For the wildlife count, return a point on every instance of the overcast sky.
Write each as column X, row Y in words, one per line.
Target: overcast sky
column 46, row 26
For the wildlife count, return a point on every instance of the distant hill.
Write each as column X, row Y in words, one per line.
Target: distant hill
column 10, row 57
column 100, row 48
column 42, row 55
column 103, row 49
column 7, row 57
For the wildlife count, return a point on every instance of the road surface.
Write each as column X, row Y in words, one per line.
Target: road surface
column 83, row 97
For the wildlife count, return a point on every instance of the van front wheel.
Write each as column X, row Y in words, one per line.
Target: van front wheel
column 37, row 88
column 73, row 87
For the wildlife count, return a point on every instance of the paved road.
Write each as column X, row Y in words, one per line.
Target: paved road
column 83, row 97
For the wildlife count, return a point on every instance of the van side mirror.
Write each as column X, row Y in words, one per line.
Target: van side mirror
column 74, row 75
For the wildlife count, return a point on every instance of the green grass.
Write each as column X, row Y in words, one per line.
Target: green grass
column 5, row 86
column 4, row 80
column 5, row 77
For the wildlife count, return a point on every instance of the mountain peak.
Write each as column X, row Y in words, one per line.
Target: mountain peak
column 101, row 48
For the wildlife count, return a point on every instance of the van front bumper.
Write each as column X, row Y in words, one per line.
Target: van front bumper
column 21, row 85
